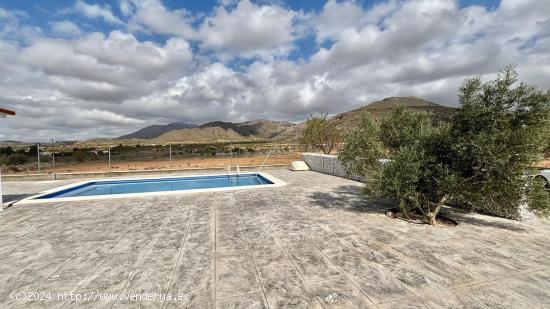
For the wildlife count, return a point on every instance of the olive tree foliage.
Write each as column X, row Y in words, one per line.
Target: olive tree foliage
column 364, row 151
column 417, row 175
column 481, row 158
column 321, row 134
column 500, row 132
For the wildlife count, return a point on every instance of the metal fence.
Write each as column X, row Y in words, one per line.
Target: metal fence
column 58, row 158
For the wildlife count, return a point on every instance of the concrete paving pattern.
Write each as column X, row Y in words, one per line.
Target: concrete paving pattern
column 314, row 243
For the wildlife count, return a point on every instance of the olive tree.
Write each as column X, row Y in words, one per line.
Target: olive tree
column 417, row 176
column 321, row 134
column 482, row 158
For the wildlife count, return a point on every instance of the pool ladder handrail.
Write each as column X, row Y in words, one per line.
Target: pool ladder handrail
column 265, row 159
column 229, row 170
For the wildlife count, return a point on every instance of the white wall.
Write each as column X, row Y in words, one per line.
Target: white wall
column 326, row 164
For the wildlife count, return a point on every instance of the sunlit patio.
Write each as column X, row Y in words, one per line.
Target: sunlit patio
column 311, row 244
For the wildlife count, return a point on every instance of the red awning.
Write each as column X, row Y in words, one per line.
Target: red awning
column 6, row 111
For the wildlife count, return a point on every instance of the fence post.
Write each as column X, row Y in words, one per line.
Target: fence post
column 53, row 159
column 38, row 156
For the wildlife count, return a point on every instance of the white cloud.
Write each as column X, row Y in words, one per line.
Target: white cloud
column 12, row 29
column 126, row 7
column 113, row 62
column 337, row 17
column 82, row 83
column 96, row 11
column 214, row 90
column 152, row 15
column 106, row 116
column 66, row 28
column 249, row 30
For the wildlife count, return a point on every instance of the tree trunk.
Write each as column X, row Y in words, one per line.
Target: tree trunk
column 431, row 215
column 431, row 218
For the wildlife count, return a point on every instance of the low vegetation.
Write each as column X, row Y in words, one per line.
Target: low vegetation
column 13, row 158
column 481, row 158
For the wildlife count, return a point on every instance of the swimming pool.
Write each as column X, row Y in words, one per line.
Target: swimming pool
column 96, row 189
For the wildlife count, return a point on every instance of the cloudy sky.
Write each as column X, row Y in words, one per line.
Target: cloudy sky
column 81, row 69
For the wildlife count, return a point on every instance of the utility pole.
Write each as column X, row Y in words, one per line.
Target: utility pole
column 170, row 155
column 109, row 158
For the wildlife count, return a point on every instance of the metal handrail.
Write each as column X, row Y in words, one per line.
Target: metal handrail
column 268, row 154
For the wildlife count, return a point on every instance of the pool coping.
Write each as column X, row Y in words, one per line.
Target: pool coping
column 276, row 182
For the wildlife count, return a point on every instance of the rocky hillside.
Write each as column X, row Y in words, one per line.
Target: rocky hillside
column 377, row 109
column 219, row 131
column 292, row 134
column 156, row 130
column 382, row 108
column 265, row 129
column 200, row 135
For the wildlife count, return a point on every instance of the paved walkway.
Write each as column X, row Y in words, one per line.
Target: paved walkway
column 311, row 244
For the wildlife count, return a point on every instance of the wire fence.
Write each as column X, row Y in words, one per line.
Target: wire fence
column 47, row 159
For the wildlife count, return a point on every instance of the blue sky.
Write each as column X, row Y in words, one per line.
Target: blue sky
column 113, row 67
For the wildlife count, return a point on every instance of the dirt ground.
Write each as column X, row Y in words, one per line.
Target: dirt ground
column 544, row 164
column 202, row 162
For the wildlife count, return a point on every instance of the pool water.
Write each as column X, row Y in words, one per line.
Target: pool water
column 95, row 188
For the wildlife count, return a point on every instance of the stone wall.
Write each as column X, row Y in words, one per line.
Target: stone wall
column 326, row 164
column 522, row 213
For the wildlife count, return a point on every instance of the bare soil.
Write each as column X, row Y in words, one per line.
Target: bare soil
column 543, row 164
column 202, row 162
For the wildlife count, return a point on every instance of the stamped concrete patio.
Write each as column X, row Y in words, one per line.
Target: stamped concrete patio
column 311, row 244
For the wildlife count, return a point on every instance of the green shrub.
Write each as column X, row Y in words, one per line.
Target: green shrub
column 17, row 159
column 211, row 151
column 80, row 155
column 6, row 150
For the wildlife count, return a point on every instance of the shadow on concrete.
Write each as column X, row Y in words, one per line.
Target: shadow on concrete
column 14, row 197
column 486, row 221
column 348, row 197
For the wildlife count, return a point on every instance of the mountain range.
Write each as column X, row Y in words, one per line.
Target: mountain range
column 220, row 131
